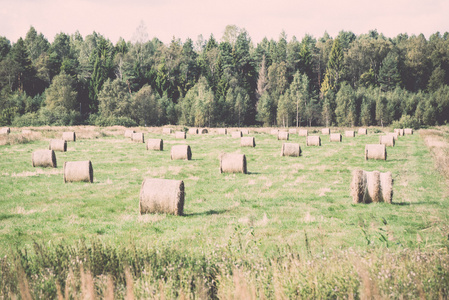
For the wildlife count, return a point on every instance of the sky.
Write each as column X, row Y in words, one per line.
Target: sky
column 188, row 19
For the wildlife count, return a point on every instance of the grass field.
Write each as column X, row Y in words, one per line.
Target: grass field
column 287, row 229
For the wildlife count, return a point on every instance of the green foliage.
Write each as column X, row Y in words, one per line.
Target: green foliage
column 406, row 121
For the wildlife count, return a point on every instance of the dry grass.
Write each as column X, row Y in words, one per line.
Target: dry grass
column 439, row 148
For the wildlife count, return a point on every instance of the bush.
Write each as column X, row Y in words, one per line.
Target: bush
column 111, row 121
column 29, row 119
column 406, row 121
column 59, row 116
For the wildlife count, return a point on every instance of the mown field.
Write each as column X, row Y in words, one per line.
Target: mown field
column 287, row 229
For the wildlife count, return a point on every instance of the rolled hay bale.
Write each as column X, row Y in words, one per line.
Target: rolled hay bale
column 129, row 133
column 232, row 163
column 335, row 137
column 303, row 132
column 274, row 131
column 367, row 187
column 181, row 152
column 349, row 133
column 326, row 131
column 180, row 135
column 58, row 145
column 291, row 149
column 155, row 144
column 362, row 131
column 203, row 131
column 26, row 131
column 408, row 131
column 69, row 136
column 236, row 134
column 44, row 158
column 387, row 140
column 193, row 130
column 5, row 130
column 395, row 135
column 138, row 137
column 245, row 131
column 375, row 151
column 399, row 131
column 161, row 196
column 292, row 130
column 78, row 171
column 282, row 135
column 222, row 131
column 247, row 141
column 166, row 130
column 313, row 140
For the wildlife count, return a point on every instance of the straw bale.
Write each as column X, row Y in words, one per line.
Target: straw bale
column 232, row 163
column 386, row 182
column 387, row 140
column 44, row 158
column 367, row 187
column 349, row 133
column 236, row 134
column 291, row 149
column 222, row 131
column 69, row 136
column 274, row 131
column 138, row 137
column 326, row 131
column 399, row 131
column 180, row 135
column 203, row 131
column 193, row 130
column 5, row 130
column 166, row 130
column 78, row 171
column 362, row 131
column 282, row 135
column 358, row 186
column 155, row 144
column 408, row 131
column 162, row 196
column 129, row 133
column 373, row 186
column 375, row 151
column 395, row 135
column 181, row 152
column 58, row 145
column 313, row 140
column 292, row 130
column 26, row 131
column 335, row 137
column 303, row 132
column 247, row 141
column 245, row 131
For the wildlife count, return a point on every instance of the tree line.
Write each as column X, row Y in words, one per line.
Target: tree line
column 347, row 80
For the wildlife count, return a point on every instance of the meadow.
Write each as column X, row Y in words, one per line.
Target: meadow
column 287, row 229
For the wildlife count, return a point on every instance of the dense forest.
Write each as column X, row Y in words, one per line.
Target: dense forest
column 347, row 80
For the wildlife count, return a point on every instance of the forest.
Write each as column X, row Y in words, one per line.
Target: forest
column 347, row 80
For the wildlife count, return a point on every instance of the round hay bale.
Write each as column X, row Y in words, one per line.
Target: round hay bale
column 247, row 141
column 291, row 149
column 274, row 132
column 233, row 163
column 408, row 131
column 358, row 186
column 193, row 130
column 138, row 137
column 5, row 130
column 26, row 131
column 44, row 158
column 292, row 130
column 162, row 196
column 399, row 131
column 129, row 133
column 326, row 131
column 155, row 144
column 203, row 131
column 181, row 152
column 180, row 135
column 313, row 140
column 387, row 140
column 303, row 132
column 222, row 131
column 78, row 171
column 245, row 131
column 386, row 183
column 69, row 136
column 282, row 135
column 395, row 135
column 373, row 187
column 367, row 187
column 166, row 130
column 236, row 134
column 58, row 145
column 349, row 133
column 375, row 151
column 362, row 131
column 335, row 137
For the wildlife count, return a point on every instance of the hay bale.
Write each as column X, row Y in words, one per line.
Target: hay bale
column 349, row 133
column 181, row 152
column 129, row 133
column 222, row 131
column 274, row 132
column 395, row 135
column 291, row 149
column 292, row 130
column 408, row 131
column 166, row 130
column 387, row 140
column 58, row 145
column 193, row 130
column 180, row 135
column 303, row 132
column 399, row 131
column 236, row 134
column 162, row 196
column 247, row 141
column 78, row 171
column 232, row 163
column 282, row 135
column 44, row 158
column 362, row 131
column 155, row 144
column 26, row 131
column 367, row 187
column 375, row 151
column 203, row 131
column 335, row 137
column 313, row 140
column 138, row 137
column 5, row 130
column 69, row 136
column 245, row 131
column 326, row 131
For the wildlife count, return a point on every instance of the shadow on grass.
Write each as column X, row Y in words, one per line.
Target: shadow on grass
column 207, row 213
column 415, row 203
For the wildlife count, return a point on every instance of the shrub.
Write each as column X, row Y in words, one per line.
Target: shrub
column 406, row 121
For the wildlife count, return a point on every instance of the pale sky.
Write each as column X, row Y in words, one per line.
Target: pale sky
column 183, row 19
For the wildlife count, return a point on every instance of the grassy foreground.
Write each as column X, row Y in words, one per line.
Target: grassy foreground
column 287, row 229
